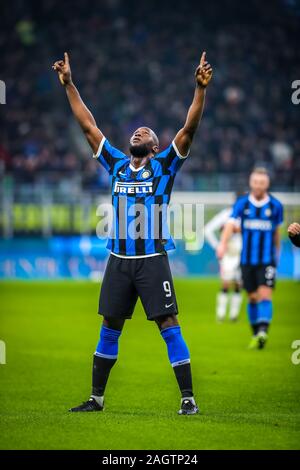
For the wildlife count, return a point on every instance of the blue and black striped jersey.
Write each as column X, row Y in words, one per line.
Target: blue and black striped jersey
column 140, row 200
column 259, row 220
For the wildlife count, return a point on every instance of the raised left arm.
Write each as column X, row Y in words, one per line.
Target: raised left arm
column 184, row 137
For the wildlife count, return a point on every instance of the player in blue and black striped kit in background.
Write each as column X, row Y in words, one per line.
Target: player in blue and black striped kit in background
column 260, row 215
column 138, row 265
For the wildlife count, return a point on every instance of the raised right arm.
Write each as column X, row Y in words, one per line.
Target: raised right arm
column 81, row 112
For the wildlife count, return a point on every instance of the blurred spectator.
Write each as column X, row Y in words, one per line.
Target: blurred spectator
column 134, row 63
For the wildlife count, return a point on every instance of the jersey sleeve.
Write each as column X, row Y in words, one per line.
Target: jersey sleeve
column 171, row 159
column 237, row 210
column 295, row 240
column 108, row 155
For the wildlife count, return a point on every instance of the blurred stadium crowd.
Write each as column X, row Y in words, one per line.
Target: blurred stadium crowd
column 134, row 63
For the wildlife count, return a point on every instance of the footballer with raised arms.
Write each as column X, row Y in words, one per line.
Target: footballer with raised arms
column 138, row 266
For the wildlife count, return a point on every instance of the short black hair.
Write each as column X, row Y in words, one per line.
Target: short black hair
column 154, row 136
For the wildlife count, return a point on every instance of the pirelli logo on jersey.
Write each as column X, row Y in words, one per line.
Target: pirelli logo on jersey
column 134, row 188
column 257, row 224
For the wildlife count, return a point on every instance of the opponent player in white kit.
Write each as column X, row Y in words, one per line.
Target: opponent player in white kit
column 229, row 266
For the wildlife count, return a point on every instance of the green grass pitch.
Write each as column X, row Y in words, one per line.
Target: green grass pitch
column 249, row 399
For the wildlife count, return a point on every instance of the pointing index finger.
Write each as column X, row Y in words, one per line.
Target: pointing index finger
column 202, row 60
column 66, row 56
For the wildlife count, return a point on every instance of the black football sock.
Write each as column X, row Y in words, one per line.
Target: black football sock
column 263, row 326
column 184, row 379
column 255, row 329
column 101, row 369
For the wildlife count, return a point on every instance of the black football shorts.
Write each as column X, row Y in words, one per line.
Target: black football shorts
column 260, row 275
column 126, row 279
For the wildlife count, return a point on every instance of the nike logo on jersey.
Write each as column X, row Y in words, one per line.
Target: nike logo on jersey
column 167, row 306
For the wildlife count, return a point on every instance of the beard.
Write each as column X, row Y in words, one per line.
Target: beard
column 139, row 150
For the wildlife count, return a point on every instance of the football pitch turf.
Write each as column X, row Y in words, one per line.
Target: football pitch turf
column 248, row 399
